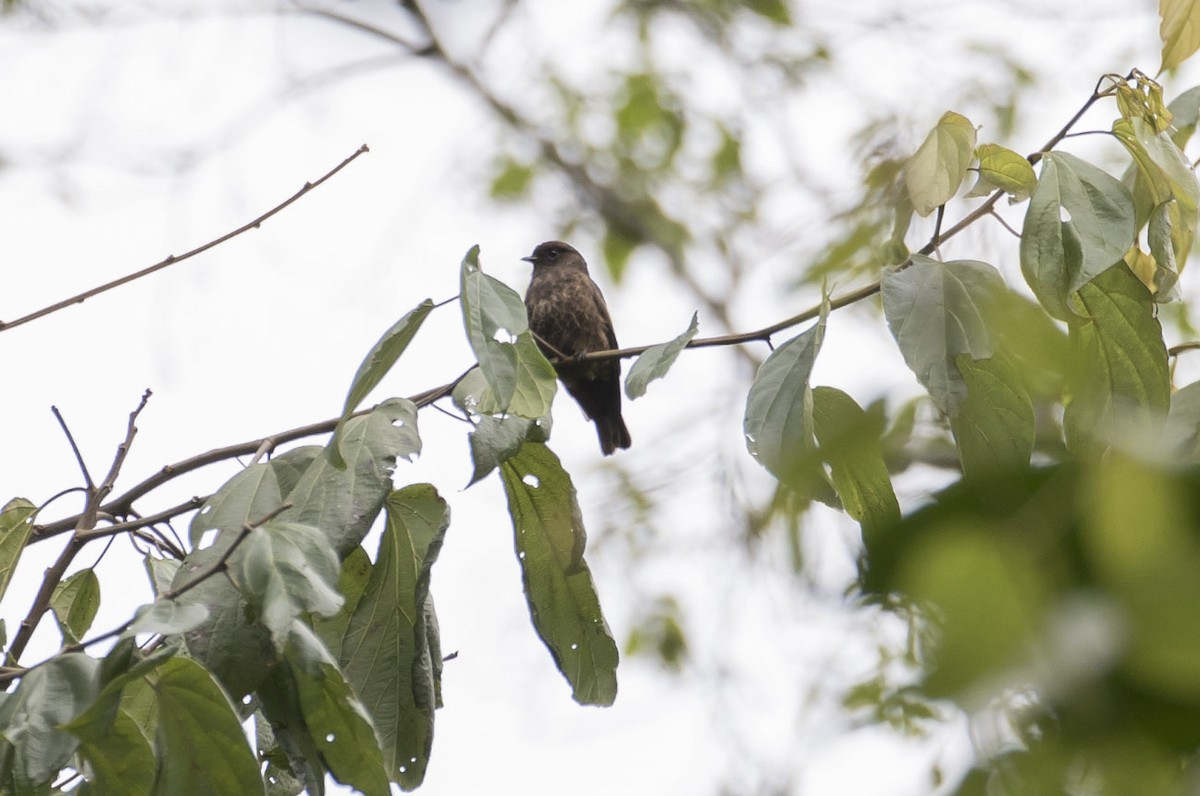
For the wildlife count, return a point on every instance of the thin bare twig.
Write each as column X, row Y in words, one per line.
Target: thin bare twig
column 173, row 259
column 87, row 476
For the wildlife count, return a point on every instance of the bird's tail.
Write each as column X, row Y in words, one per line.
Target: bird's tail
column 610, row 427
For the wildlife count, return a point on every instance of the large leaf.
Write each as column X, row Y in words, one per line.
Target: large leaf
column 1179, row 29
column 936, row 170
column 356, row 571
column 377, row 363
column 288, row 569
column 563, row 604
column 994, row 429
column 344, row 502
column 200, row 743
column 120, row 756
column 229, row 643
column 657, row 360
column 75, row 602
column 937, row 311
column 1123, row 386
column 778, row 419
column 247, row 497
column 1079, row 223
column 335, row 719
column 850, row 442
column 386, row 652
column 16, row 524
column 47, row 697
column 491, row 309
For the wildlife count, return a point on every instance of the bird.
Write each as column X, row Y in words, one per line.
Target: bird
column 568, row 318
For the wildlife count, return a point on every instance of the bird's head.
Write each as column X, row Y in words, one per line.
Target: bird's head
column 552, row 253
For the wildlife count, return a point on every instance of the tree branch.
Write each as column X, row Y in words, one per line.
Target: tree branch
column 173, row 259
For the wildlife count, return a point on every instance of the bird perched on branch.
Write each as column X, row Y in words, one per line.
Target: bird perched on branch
column 568, row 317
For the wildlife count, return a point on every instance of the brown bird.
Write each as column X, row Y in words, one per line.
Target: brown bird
column 568, row 317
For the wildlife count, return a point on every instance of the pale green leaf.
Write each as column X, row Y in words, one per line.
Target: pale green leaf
column 1179, row 30
column 48, row 696
column 657, row 360
column 778, row 419
column 562, row 598
column 934, row 173
column 937, row 311
column 167, row 617
column 494, row 317
column 288, row 569
column 1079, row 223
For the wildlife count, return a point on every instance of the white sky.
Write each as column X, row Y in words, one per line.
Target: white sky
column 264, row 333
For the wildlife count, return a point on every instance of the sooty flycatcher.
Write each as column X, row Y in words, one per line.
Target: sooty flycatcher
column 568, row 317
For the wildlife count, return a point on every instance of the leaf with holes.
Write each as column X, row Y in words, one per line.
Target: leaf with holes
column 200, row 742
column 386, row 651
column 562, row 599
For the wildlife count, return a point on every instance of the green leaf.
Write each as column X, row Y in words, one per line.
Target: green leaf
column 339, row 727
column 47, row 697
column 120, row 757
column 16, row 524
column 1079, row 223
column 1179, row 30
column 934, row 173
column 200, row 743
column 375, row 366
column 1003, row 169
column 287, row 569
column 1123, row 386
column 512, row 180
column 617, row 246
column 937, row 311
column 1185, row 112
column 994, row 429
column 344, row 503
column 537, row 381
column 356, row 570
column 550, row 539
column 1165, row 191
column 774, row 10
column 657, row 360
column 386, row 651
column 75, row 602
column 496, row 440
column 850, row 442
column 778, row 419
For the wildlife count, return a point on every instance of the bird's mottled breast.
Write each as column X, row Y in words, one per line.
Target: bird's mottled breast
column 565, row 309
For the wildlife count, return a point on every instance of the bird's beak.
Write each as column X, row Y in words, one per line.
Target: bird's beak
column 528, row 259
